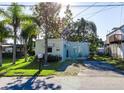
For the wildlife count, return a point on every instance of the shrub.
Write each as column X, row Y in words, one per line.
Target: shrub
column 7, row 55
column 10, row 55
column 54, row 58
column 91, row 55
column 31, row 53
column 51, row 58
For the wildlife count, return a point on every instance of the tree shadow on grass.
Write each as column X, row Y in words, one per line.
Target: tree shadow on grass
column 11, row 64
column 35, row 65
column 31, row 84
column 57, row 66
column 8, row 67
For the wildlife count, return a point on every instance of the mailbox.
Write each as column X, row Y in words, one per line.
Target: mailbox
column 40, row 55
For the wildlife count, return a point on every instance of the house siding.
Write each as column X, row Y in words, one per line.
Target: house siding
column 116, row 49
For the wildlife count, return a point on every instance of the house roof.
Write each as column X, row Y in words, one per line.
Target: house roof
column 6, row 45
column 11, row 45
column 115, row 30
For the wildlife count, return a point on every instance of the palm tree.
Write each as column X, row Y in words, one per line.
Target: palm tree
column 29, row 31
column 4, row 33
column 14, row 15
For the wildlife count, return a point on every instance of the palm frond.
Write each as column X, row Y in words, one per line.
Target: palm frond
column 4, row 13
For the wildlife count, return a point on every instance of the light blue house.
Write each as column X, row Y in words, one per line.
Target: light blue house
column 63, row 48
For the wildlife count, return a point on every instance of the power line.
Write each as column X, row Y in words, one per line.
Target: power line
column 18, row 4
column 98, row 5
column 85, row 10
column 101, row 10
column 81, row 12
column 88, row 7
column 95, row 12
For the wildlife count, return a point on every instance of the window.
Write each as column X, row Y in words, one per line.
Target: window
column 49, row 49
column 57, row 49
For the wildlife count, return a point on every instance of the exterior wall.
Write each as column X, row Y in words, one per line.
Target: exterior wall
column 86, row 48
column 54, row 43
column 116, row 32
column 117, row 50
column 74, row 50
column 123, row 50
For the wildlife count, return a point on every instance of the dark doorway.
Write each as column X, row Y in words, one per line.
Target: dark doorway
column 67, row 53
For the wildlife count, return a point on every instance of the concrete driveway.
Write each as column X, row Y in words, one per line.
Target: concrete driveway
column 99, row 76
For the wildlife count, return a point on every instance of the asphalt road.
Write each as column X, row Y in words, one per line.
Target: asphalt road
column 62, row 83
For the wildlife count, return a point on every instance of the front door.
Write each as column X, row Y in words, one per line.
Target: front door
column 66, row 53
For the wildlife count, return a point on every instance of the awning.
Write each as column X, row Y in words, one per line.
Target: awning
column 7, row 45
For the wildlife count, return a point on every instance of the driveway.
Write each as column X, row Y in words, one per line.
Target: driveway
column 100, row 69
column 94, row 75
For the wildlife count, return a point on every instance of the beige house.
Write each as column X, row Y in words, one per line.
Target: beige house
column 115, row 42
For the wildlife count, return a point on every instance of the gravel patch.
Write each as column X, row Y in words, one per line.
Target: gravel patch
column 71, row 70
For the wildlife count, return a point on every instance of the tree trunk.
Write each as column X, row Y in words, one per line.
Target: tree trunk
column 84, row 32
column 1, row 54
column 14, row 47
column 46, row 47
column 25, row 46
column 30, row 44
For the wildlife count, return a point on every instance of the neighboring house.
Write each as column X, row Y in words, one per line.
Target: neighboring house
column 8, row 48
column 63, row 48
column 115, row 42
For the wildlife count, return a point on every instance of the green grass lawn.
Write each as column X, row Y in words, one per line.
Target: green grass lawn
column 26, row 68
column 119, row 63
column 30, row 68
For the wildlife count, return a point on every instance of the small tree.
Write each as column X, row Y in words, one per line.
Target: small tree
column 67, row 21
column 68, row 17
column 46, row 13
column 80, row 30
column 29, row 31
column 93, row 40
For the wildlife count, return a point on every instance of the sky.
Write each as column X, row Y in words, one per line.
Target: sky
column 105, row 20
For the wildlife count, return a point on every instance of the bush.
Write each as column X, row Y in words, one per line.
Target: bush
column 7, row 55
column 91, row 55
column 51, row 58
column 100, row 53
column 10, row 55
column 31, row 53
